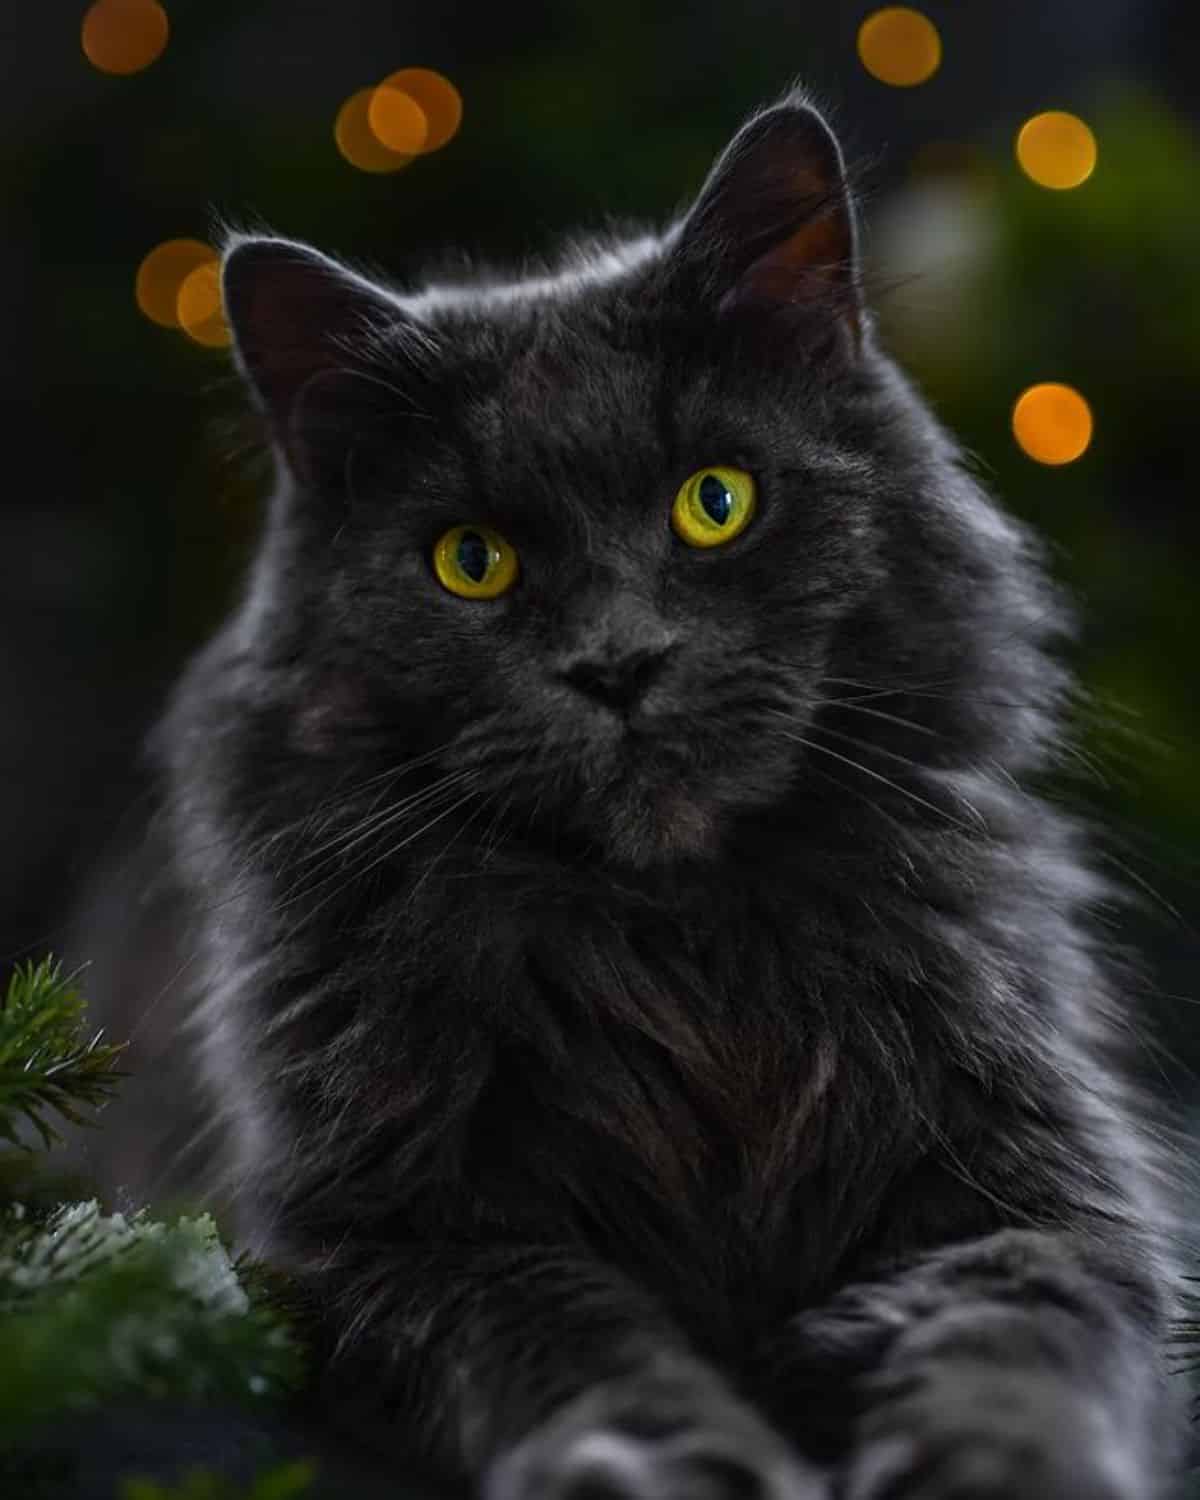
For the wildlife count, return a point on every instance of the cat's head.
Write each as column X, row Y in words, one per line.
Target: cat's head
column 604, row 543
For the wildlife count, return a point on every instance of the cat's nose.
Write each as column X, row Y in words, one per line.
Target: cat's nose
column 619, row 682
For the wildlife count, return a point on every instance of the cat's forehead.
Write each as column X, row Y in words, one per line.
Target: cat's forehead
column 615, row 374
column 597, row 388
column 561, row 377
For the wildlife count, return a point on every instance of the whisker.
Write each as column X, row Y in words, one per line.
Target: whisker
column 1159, row 900
column 878, row 713
column 906, row 690
column 491, row 838
column 861, row 744
column 383, row 778
column 446, row 847
column 875, row 806
column 375, row 822
column 885, row 780
column 391, row 852
column 321, row 817
column 306, row 887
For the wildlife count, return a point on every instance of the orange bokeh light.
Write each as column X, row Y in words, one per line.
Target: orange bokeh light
column 899, row 46
column 199, row 307
column 1052, row 423
column 437, row 98
column 397, row 121
column 358, row 143
column 124, row 36
column 1056, row 150
column 163, row 272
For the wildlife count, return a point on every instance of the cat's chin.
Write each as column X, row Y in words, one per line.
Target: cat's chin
column 648, row 804
column 667, row 826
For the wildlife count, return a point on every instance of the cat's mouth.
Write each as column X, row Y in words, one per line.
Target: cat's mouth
column 638, row 791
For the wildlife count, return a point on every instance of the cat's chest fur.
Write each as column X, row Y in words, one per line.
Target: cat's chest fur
column 675, row 1094
column 708, row 1090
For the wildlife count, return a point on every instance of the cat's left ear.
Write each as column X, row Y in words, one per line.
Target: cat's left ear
column 303, row 327
column 773, row 229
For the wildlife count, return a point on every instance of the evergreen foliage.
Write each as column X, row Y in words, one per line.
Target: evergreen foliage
column 47, row 1066
column 97, row 1308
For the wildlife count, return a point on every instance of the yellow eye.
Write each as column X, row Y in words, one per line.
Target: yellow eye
column 475, row 562
column 713, row 507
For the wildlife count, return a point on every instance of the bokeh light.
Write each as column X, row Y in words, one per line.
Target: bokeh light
column 163, row 272
column 412, row 112
column 438, row 99
column 358, row 143
column 124, row 36
column 397, row 121
column 1056, row 149
column 199, row 307
column 1052, row 423
column 899, row 46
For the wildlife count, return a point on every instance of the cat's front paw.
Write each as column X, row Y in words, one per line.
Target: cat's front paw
column 617, row 1444
column 995, row 1437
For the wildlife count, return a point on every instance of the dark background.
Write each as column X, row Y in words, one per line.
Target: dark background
column 127, row 515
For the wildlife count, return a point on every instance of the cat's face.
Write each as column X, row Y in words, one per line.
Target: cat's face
column 647, row 663
column 586, row 542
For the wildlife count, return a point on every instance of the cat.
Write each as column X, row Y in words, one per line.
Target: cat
column 650, row 1012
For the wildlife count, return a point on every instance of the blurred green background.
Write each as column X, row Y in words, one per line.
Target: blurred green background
column 129, row 512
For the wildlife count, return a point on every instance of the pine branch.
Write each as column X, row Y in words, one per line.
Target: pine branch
column 47, row 1066
column 97, row 1309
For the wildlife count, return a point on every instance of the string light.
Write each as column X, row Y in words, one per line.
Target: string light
column 199, row 309
column 124, row 36
column 1056, row 150
column 899, row 46
column 163, row 272
column 1052, row 423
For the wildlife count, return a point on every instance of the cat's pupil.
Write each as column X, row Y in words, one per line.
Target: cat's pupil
column 473, row 555
column 716, row 499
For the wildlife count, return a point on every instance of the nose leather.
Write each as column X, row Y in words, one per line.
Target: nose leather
column 618, row 682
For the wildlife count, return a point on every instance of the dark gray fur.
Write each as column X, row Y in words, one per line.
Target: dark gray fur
column 716, row 1095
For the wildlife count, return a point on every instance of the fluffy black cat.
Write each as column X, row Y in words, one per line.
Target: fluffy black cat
column 650, row 1012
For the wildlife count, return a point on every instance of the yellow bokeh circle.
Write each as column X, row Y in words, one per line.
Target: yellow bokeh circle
column 199, row 308
column 412, row 112
column 163, row 272
column 899, row 46
column 397, row 121
column 1056, row 150
column 124, row 36
column 358, row 143
column 437, row 99
column 1052, row 423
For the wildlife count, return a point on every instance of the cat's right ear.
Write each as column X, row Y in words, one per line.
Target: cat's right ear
column 772, row 233
column 303, row 329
